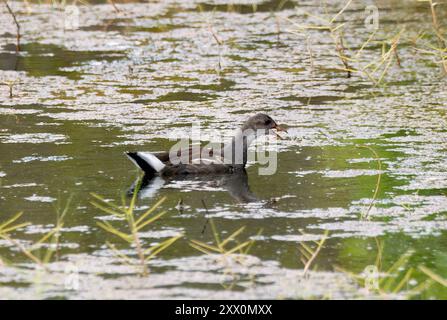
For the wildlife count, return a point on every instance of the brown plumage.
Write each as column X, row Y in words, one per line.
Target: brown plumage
column 232, row 158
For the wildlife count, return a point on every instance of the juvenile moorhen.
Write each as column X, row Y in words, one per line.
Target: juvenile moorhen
column 232, row 158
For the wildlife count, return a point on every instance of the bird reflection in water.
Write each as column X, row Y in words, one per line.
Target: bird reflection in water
column 235, row 184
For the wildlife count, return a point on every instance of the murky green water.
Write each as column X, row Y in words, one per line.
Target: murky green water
column 135, row 79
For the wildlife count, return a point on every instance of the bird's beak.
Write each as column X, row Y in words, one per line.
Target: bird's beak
column 279, row 128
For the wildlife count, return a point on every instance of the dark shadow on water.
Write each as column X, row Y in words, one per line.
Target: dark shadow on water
column 235, row 184
column 50, row 60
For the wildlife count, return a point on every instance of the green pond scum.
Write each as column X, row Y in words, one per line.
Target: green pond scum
column 357, row 206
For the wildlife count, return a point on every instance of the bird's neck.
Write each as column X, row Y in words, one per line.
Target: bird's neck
column 236, row 151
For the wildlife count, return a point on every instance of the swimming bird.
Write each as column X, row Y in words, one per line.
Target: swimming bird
column 232, row 157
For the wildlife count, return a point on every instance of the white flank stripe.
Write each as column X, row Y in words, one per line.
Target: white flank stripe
column 152, row 160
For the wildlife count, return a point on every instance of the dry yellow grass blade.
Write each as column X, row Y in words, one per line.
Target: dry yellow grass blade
column 341, row 11
column 155, row 250
column 433, row 276
column 379, row 178
column 127, row 260
column 135, row 225
column 111, row 229
column 231, row 237
column 238, row 248
column 206, row 246
column 199, row 248
column 315, row 252
column 152, row 209
column 149, row 221
column 6, row 227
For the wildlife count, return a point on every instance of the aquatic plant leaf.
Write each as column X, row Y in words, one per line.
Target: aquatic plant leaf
column 206, row 246
column 404, row 280
column 433, row 276
column 231, row 237
column 148, row 212
column 199, row 248
column 4, row 226
column 49, row 234
column 119, row 254
column 108, row 227
column 149, row 221
column 238, row 248
column 107, row 210
column 155, row 250
column 119, row 211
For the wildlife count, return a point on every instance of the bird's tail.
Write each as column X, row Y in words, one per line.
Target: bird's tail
column 146, row 161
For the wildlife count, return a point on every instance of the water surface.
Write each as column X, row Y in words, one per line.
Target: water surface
column 136, row 79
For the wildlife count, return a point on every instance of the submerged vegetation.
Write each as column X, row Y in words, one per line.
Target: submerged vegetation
column 224, row 256
column 33, row 251
column 135, row 225
column 398, row 280
column 376, row 69
column 309, row 254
